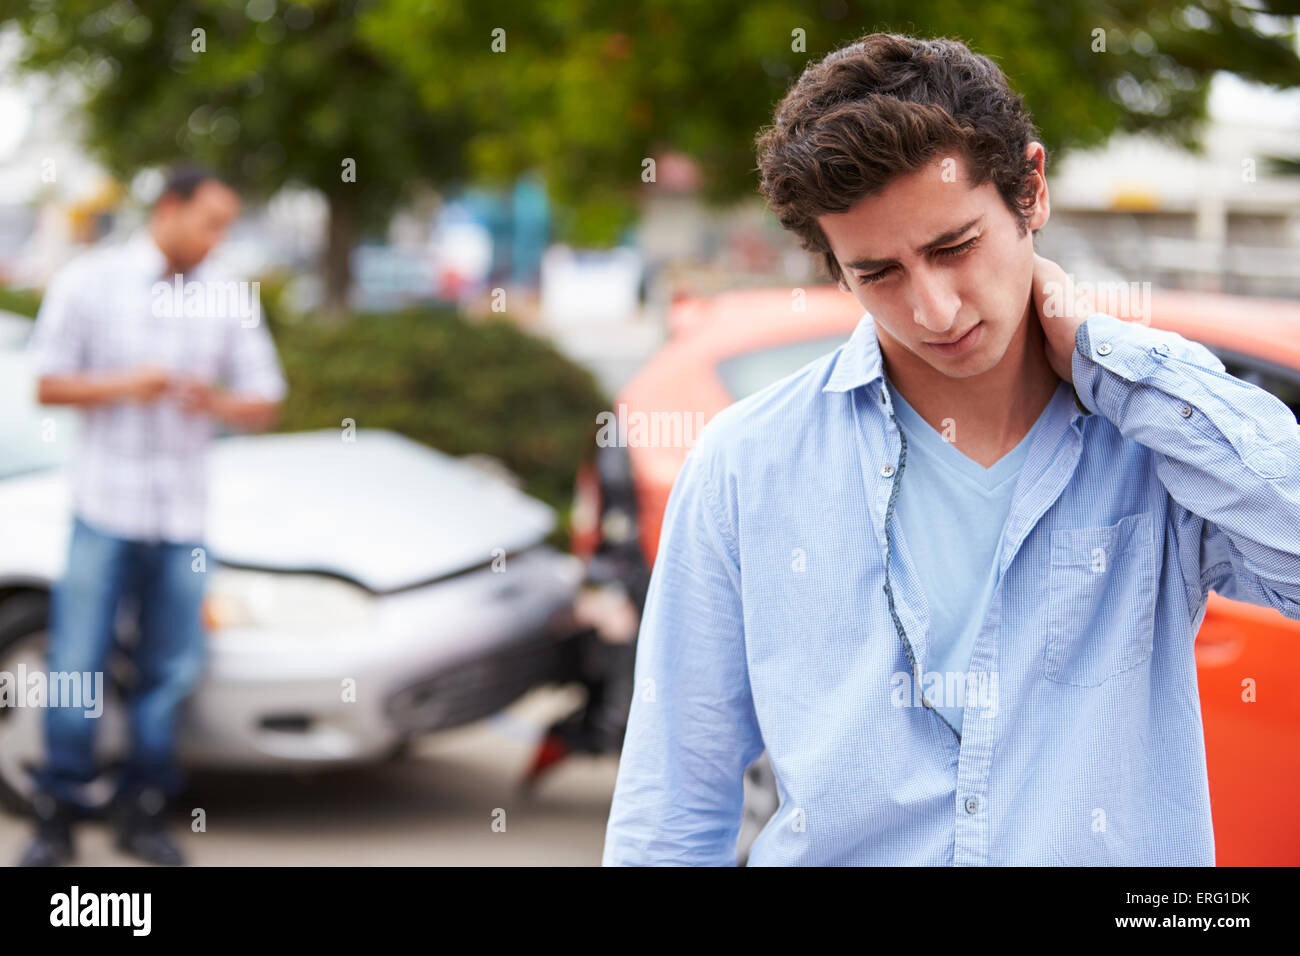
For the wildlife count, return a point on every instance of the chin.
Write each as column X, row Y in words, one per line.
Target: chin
column 964, row 372
column 967, row 366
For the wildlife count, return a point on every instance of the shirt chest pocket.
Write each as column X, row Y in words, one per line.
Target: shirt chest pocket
column 1102, row 588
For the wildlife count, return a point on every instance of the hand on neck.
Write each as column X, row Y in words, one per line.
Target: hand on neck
column 993, row 410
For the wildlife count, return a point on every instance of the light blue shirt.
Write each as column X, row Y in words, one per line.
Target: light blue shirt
column 778, row 614
column 952, row 510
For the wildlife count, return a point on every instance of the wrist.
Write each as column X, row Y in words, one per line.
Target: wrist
column 119, row 387
column 219, row 405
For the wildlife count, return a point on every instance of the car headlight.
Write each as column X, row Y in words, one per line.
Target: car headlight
column 236, row 597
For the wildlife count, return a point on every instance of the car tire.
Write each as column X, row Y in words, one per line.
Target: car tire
column 23, row 621
column 401, row 751
column 761, row 802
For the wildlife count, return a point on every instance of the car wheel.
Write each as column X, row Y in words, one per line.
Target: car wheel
column 401, row 751
column 761, row 801
column 23, row 621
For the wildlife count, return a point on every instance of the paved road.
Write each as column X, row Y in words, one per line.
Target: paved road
column 433, row 807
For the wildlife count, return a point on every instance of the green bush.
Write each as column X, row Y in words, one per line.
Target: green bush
column 20, row 301
column 461, row 387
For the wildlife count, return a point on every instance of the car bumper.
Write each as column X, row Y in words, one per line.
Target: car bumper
column 434, row 657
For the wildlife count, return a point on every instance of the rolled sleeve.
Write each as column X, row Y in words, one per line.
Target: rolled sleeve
column 1227, row 451
column 253, row 367
column 58, row 342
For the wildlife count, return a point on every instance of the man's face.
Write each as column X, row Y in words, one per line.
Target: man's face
column 193, row 228
column 931, row 259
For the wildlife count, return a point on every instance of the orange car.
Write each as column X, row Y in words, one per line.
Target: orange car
column 729, row 346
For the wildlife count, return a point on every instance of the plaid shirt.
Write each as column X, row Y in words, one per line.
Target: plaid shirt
column 141, row 470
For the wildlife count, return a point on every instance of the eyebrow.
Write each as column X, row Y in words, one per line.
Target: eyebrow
column 872, row 265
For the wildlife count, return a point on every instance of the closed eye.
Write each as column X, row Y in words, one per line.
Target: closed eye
column 948, row 252
column 952, row 251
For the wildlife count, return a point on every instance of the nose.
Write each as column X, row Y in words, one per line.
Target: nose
column 934, row 301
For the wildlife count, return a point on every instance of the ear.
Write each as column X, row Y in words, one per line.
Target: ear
column 1042, row 210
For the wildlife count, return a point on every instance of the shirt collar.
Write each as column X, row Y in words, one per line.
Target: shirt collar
column 144, row 250
column 859, row 359
column 859, row 363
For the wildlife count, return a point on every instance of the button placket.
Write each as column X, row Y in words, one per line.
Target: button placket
column 887, row 471
column 895, row 475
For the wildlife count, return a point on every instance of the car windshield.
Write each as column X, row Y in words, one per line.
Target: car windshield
column 745, row 374
column 32, row 437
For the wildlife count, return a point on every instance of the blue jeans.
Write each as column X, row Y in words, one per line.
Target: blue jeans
column 169, row 656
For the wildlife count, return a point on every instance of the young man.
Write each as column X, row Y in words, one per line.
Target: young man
column 113, row 337
column 949, row 576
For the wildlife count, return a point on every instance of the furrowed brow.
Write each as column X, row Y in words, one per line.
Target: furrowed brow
column 871, row 265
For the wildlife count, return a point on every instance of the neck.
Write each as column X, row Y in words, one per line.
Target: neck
column 991, row 411
column 159, row 240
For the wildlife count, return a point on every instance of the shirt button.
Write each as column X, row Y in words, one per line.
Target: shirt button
column 972, row 804
column 1103, row 349
column 886, row 470
column 1186, row 411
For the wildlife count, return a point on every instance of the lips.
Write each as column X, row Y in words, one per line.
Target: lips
column 966, row 343
column 957, row 339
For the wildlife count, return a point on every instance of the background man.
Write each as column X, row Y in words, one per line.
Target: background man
column 152, row 377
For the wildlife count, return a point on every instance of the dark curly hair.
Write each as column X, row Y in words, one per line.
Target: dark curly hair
column 883, row 107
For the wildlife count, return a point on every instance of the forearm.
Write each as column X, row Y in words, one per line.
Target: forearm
column 1226, row 451
column 248, row 414
column 85, row 389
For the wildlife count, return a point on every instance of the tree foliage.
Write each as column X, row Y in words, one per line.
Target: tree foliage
column 449, row 91
column 269, row 94
column 587, row 90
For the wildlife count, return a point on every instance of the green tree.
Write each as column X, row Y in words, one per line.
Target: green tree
column 270, row 94
column 445, row 91
column 586, row 90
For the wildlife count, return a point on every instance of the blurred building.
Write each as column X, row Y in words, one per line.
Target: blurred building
column 1224, row 220
column 1136, row 209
